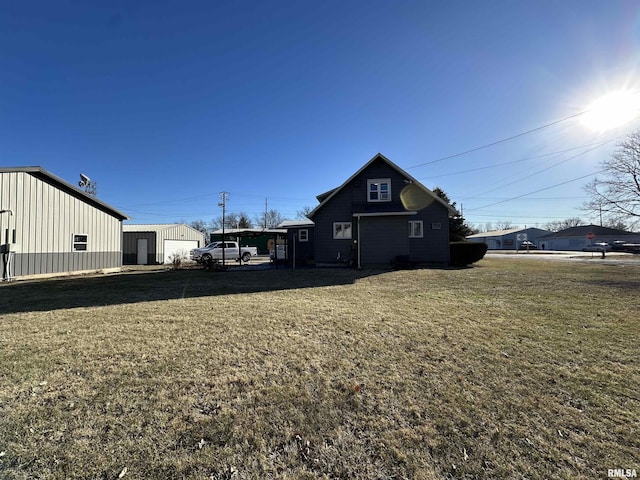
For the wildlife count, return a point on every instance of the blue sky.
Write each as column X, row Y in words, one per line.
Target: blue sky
column 165, row 104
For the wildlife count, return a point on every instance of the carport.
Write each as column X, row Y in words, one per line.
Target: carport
column 278, row 236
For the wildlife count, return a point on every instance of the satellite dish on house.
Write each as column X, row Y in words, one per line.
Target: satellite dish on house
column 415, row 198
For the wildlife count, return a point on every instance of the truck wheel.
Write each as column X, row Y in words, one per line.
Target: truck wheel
column 206, row 258
column 246, row 256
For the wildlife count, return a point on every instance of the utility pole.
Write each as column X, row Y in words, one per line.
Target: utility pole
column 224, row 196
column 265, row 213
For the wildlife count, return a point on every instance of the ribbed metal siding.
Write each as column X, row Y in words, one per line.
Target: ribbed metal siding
column 45, row 218
column 178, row 232
column 130, row 247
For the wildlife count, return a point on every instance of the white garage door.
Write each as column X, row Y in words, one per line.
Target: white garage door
column 173, row 246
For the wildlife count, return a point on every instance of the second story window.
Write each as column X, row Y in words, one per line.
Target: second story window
column 379, row 190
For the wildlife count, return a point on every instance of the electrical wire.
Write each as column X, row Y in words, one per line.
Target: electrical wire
column 522, row 134
column 536, row 191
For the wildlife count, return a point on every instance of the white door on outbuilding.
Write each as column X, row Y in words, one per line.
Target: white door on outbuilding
column 173, row 246
column 142, row 251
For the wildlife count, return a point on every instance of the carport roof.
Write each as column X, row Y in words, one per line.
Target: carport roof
column 250, row 232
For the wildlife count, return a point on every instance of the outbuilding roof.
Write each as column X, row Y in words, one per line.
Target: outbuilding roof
column 497, row 233
column 583, row 230
column 58, row 182
column 157, row 227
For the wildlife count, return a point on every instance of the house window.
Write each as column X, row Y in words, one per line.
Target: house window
column 303, row 235
column 436, row 226
column 415, row 229
column 379, row 190
column 80, row 242
column 341, row 230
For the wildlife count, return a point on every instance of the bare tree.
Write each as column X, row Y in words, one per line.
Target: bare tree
column 504, row 225
column 616, row 195
column 233, row 220
column 269, row 219
column 199, row 225
column 557, row 225
column 304, row 212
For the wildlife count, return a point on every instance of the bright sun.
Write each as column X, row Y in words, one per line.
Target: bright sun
column 612, row 110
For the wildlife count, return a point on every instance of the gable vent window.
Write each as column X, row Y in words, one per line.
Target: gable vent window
column 80, row 242
column 436, row 226
column 379, row 190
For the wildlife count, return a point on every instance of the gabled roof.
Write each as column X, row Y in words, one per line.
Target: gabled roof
column 49, row 177
column 157, row 227
column 583, row 230
column 296, row 223
column 326, row 197
column 500, row 233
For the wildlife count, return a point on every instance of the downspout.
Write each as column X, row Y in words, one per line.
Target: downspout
column 358, row 246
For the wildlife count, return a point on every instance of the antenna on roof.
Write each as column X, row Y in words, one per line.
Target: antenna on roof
column 88, row 185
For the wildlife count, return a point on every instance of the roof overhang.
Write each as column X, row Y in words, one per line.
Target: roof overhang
column 386, row 214
column 49, row 177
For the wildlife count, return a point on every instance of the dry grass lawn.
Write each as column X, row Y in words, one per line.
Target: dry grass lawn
column 511, row 369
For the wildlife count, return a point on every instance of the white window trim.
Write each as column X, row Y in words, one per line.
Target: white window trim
column 378, row 181
column 305, row 237
column 341, row 235
column 412, row 224
column 74, row 242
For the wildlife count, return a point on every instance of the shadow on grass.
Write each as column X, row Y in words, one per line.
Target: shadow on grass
column 124, row 288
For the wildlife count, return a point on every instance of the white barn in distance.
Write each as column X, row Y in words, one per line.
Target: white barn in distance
column 154, row 244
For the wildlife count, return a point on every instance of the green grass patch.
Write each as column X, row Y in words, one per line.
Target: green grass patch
column 511, row 369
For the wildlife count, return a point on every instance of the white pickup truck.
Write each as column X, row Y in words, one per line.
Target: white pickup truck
column 214, row 250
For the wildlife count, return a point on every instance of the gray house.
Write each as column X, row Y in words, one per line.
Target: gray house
column 155, row 244
column 49, row 226
column 380, row 214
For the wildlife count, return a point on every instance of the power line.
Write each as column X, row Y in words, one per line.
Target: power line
column 537, row 191
column 543, row 170
column 508, row 138
column 498, row 141
column 510, row 162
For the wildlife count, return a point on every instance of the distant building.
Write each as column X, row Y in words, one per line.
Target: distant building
column 577, row 238
column 50, row 227
column 510, row 239
column 155, row 244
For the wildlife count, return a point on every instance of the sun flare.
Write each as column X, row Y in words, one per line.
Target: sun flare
column 612, row 110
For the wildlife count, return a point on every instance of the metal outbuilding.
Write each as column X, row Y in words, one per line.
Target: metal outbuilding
column 50, row 227
column 509, row 239
column 155, row 244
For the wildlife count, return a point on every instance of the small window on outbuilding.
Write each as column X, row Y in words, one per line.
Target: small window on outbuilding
column 303, row 235
column 436, row 226
column 80, row 242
